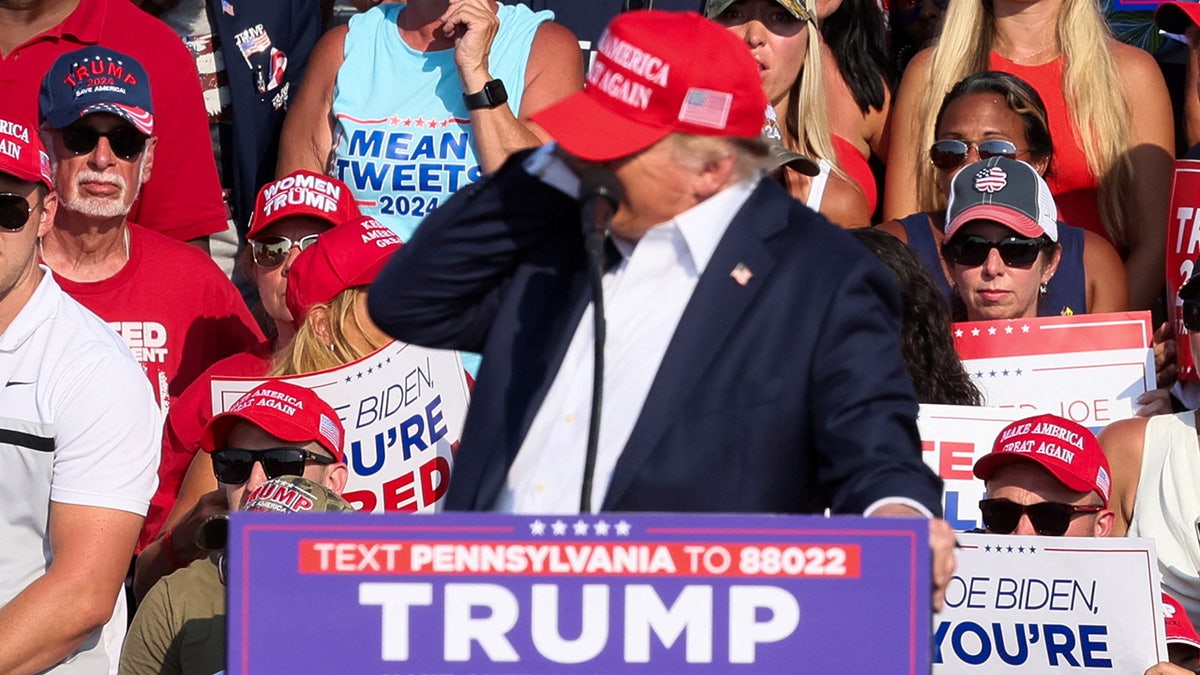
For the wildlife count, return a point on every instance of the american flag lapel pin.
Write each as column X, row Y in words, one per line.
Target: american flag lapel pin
column 741, row 274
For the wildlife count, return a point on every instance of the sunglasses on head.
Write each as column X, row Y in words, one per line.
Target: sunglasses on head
column 972, row 250
column 126, row 142
column 1191, row 315
column 1050, row 519
column 950, row 153
column 232, row 466
column 272, row 251
column 14, row 211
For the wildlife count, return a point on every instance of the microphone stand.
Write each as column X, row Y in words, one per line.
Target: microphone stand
column 599, row 194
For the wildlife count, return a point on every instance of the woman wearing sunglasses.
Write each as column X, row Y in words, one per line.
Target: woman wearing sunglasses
column 781, row 36
column 994, row 114
column 1156, row 474
column 290, row 214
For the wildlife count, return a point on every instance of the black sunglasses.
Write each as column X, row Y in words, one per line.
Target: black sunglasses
column 1050, row 519
column 951, row 153
column 126, row 142
column 232, row 466
column 972, row 250
column 272, row 251
column 1191, row 315
column 14, row 211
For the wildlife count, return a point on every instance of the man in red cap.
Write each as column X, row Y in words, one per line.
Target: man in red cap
column 737, row 319
column 79, row 438
column 1046, row 475
column 279, row 448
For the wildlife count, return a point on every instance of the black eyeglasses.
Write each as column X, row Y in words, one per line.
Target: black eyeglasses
column 14, row 211
column 951, row 153
column 1050, row 519
column 126, row 141
column 972, row 250
column 1191, row 315
column 272, row 251
column 232, row 466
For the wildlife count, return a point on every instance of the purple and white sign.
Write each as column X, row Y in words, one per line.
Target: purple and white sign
column 491, row 593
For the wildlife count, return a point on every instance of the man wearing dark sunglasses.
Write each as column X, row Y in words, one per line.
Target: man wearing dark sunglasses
column 79, row 444
column 171, row 304
column 1047, row 476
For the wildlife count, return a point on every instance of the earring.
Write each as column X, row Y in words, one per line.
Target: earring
column 1042, row 288
column 331, row 345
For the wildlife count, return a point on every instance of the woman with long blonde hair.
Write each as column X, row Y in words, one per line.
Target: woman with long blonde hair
column 781, row 35
column 1109, row 113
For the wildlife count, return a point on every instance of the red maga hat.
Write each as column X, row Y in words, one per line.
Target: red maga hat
column 287, row 411
column 21, row 153
column 349, row 255
column 658, row 72
column 1067, row 450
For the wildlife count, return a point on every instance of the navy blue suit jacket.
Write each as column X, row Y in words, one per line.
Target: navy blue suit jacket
column 783, row 395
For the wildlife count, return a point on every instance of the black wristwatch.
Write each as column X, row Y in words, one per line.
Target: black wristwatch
column 492, row 95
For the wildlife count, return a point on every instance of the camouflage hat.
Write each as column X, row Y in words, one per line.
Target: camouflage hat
column 285, row 494
column 713, row 8
column 779, row 154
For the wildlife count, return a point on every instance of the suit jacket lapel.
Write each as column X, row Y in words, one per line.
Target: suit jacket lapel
column 713, row 312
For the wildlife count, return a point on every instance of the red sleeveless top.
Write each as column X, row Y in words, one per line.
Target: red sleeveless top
column 1071, row 181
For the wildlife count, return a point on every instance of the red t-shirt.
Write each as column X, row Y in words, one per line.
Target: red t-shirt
column 183, row 197
column 1071, row 181
column 190, row 413
column 174, row 308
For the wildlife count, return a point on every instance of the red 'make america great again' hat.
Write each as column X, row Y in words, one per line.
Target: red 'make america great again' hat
column 658, row 72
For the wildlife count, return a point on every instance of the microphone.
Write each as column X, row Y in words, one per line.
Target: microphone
column 599, row 195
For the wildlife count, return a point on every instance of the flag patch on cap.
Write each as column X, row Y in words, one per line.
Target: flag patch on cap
column 992, row 179
column 1103, row 482
column 330, row 431
column 706, row 108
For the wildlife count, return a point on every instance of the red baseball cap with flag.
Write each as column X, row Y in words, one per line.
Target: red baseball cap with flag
column 302, row 193
column 1067, row 450
column 658, row 72
column 351, row 254
column 1179, row 627
column 287, row 411
column 21, row 153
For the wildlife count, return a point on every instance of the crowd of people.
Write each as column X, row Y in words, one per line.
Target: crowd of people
column 193, row 190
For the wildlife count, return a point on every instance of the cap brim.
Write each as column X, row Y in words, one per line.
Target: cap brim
column 1175, row 17
column 780, row 157
column 593, row 132
column 989, row 464
column 1013, row 220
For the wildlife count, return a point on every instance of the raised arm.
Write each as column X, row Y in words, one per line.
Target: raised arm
column 555, row 70
column 307, row 136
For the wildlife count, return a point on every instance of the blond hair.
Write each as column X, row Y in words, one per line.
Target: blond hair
column 806, row 120
column 1091, row 88
column 307, row 353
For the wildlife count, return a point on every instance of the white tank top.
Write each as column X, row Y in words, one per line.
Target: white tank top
column 816, row 187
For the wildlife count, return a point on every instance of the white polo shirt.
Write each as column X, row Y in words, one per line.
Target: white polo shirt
column 78, row 425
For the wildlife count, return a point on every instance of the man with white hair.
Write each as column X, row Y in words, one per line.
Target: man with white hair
column 173, row 307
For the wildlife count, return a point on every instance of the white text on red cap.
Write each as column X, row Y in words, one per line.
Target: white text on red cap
column 271, row 399
column 17, row 131
column 307, row 190
column 616, row 85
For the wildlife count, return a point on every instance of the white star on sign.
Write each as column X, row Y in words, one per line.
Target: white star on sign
column 601, row 528
column 1008, row 330
column 958, row 333
column 559, row 528
column 622, row 529
column 537, row 528
column 992, row 330
column 1024, row 329
column 581, row 528
column 974, row 332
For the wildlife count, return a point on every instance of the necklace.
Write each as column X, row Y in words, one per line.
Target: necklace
column 1027, row 57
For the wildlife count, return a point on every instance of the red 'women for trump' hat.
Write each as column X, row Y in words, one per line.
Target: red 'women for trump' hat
column 658, row 72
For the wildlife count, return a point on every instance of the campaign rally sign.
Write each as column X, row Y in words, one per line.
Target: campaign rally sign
column 953, row 437
column 598, row 593
column 1049, row 605
column 403, row 408
column 1089, row 368
column 1183, row 246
